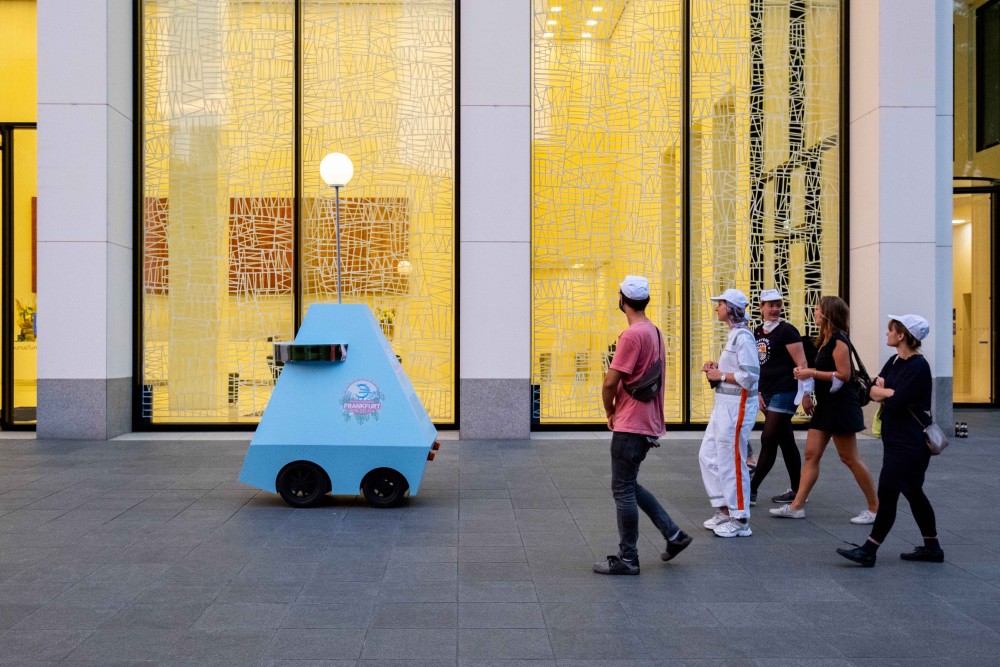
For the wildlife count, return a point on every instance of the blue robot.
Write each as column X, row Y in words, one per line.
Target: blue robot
column 337, row 425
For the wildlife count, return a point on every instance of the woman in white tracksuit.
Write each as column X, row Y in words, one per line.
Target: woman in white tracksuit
column 723, row 454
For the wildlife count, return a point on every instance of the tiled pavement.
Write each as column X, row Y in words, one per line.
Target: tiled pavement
column 140, row 552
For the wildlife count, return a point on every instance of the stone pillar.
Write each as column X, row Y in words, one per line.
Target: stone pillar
column 85, row 220
column 495, row 219
column 900, row 178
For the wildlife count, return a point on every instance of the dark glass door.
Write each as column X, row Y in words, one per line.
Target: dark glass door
column 18, row 275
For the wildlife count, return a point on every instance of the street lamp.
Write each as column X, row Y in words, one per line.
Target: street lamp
column 337, row 169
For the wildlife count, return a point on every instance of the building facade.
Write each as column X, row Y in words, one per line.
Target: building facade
column 513, row 162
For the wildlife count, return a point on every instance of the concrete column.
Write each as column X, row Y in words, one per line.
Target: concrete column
column 900, row 178
column 84, row 218
column 495, row 220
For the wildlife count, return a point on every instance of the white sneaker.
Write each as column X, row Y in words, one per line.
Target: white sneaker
column 786, row 512
column 733, row 528
column 865, row 517
column 718, row 518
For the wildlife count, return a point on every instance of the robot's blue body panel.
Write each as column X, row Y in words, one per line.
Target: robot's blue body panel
column 347, row 417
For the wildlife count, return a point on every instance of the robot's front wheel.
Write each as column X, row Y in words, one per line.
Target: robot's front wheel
column 302, row 484
column 384, row 487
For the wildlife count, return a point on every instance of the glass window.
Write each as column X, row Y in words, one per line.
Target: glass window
column 988, row 75
column 236, row 222
column 738, row 189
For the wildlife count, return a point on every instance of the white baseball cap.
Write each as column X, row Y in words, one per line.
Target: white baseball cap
column 733, row 296
column 770, row 295
column 916, row 325
column 635, row 287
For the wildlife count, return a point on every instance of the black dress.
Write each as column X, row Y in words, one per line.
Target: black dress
column 838, row 412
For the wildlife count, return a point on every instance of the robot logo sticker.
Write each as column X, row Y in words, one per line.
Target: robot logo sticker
column 362, row 400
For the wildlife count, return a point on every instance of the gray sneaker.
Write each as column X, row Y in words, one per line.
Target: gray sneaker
column 786, row 497
column 615, row 565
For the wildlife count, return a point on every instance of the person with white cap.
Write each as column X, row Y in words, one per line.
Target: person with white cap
column 903, row 387
column 632, row 393
column 836, row 415
column 780, row 351
column 723, row 453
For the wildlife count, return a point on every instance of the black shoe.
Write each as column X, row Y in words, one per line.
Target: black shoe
column 615, row 565
column 674, row 547
column 924, row 554
column 858, row 555
column 753, row 498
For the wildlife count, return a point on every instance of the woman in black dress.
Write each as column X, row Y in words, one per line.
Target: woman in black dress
column 904, row 389
column 779, row 348
column 837, row 414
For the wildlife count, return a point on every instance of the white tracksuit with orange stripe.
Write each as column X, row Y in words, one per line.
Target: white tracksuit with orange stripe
column 723, row 454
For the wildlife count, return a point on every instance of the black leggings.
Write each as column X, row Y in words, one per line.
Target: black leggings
column 777, row 433
column 903, row 471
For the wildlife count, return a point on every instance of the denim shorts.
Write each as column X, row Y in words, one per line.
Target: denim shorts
column 781, row 402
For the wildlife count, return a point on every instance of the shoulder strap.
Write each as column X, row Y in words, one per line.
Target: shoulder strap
column 854, row 353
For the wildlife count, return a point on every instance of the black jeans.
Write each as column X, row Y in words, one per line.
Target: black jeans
column 627, row 452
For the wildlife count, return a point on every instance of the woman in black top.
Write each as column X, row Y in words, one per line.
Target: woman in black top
column 779, row 348
column 837, row 414
column 904, row 389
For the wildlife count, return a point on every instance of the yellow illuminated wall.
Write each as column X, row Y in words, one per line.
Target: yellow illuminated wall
column 608, row 178
column 220, row 250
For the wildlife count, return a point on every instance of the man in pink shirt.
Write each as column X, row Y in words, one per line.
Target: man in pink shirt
column 636, row 425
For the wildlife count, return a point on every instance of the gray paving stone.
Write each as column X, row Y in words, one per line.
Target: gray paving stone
column 314, row 616
column 404, row 644
column 133, row 644
column 229, row 647
column 500, row 615
column 242, row 615
column 39, row 644
column 319, row 644
column 415, row 615
column 504, row 644
column 163, row 616
column 437, row 591
column 67, row 617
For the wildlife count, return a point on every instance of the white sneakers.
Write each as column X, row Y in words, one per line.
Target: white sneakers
column 717, row 519
column 733, row 527
column 786, row 512
column 865, row 517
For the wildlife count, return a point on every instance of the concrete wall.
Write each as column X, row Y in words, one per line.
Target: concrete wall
column 84, row 218
column 900, row 183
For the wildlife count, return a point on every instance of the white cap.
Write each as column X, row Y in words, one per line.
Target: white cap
column 770, row 295
column 916, row 325
column 733, row 296
column 635, row 287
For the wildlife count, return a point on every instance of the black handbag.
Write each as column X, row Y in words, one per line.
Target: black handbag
column 648, row 385
column 860, row 382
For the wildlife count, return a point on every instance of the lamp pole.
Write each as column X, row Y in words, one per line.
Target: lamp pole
column 337, row 170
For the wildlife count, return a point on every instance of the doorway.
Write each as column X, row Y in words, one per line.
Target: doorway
column 18, row 275
column 974, row 311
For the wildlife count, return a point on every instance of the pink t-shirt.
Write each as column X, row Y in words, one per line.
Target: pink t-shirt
column 636, row 351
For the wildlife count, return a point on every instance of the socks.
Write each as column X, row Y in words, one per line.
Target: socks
column 932, row 544
column 674, row 537
column 869, row 547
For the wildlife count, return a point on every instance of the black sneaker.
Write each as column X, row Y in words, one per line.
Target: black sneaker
column 615, row 565
column 785, row 498
column 753, row 498
column 924, row 554
column 858, row 555
column 674, row 547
